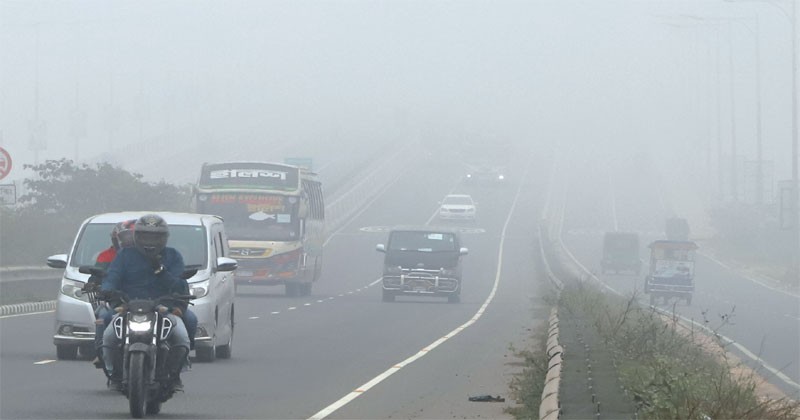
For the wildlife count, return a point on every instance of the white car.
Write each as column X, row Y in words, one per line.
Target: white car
column 202, row 241
column 457, row 207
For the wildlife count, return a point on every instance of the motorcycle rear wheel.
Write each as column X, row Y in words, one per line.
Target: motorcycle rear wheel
column 137, row 388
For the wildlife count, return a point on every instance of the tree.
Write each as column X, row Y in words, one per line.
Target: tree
column 63, row 194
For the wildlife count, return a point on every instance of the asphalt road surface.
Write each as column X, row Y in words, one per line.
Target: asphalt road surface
column 299, row 357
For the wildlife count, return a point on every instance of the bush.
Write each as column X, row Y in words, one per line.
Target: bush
column 63, row 194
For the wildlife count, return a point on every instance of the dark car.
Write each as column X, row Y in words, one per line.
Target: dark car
column 422, row 261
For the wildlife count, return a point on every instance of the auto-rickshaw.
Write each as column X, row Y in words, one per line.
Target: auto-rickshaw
column 621, row 253
column 671, row 270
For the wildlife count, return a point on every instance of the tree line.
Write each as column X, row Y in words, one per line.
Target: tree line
column 62, row 194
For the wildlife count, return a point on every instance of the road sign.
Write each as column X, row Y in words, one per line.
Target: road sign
column 8, row 194
column 5, row 163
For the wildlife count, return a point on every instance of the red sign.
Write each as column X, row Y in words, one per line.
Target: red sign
column 5, row 163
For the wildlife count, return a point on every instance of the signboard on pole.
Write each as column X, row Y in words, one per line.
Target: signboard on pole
column 5, row 163
column 8, row 194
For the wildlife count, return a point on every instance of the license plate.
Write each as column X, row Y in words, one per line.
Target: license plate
column 241, row 273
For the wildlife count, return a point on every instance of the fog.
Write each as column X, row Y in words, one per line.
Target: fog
column 132, row 81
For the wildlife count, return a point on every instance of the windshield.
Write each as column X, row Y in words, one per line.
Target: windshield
column 457, row 200
column 190, row 241
column 255, row 217
column 422, row 241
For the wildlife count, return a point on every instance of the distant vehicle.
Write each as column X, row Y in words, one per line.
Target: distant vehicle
column 484, row 175
column 274, row 214
column 202, row 241
column 457, row 207
column 671, row 271
column 621, row 253
column 422, row 261
column 677, row 229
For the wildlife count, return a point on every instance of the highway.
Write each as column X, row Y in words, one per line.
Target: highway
column 312, row 357
column 762, row 321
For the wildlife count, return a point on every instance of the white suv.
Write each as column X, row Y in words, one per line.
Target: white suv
column 457, row 207
column 202, row 241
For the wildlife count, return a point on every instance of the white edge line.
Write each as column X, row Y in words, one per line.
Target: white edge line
column 325, row 412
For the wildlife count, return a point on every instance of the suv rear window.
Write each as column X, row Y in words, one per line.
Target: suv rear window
column 422, row 241
column 190, row 241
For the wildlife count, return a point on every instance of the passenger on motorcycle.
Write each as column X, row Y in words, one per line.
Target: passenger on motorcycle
column 121, row 237
column 148, row 270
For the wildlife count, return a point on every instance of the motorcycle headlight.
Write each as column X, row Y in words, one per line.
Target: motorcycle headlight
column 501, row 177
column 139, row 326
column 198, row 290
column 72, row 289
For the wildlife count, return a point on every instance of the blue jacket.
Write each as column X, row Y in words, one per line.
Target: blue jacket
column 132, row 273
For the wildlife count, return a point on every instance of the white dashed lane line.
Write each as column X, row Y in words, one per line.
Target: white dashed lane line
column 44, row 362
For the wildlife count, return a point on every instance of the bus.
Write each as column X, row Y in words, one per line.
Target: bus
column 274, row 214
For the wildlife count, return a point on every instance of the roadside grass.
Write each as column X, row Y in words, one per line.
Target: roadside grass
column 526, row 386
column 669, row 371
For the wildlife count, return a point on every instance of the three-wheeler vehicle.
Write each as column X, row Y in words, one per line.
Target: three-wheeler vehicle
column 671, row 272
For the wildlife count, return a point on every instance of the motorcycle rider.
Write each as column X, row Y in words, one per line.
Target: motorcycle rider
column 148, row 270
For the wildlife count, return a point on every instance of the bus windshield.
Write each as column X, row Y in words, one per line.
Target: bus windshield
column 255, row 217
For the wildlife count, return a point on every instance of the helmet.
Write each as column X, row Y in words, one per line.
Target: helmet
column 150, row 234
column 122, row 234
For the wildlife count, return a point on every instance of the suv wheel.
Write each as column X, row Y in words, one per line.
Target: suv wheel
column 454, row 298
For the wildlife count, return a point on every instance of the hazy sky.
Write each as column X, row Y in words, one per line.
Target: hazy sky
column 619, row 77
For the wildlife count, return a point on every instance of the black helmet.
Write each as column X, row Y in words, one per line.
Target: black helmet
column 150, row 234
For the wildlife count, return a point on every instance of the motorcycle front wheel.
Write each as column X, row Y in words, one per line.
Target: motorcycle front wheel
column 137, row 388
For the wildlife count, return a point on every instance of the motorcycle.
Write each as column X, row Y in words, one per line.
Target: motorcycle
column 143, row 330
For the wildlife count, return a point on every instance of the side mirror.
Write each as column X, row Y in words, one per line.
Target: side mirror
column 463, row 251
column 226, row 264
column 57, row 261
column 189, row 271
column 380, row 248
column 93, row 270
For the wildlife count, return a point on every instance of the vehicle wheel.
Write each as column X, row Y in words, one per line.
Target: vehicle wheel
column 206, row 354
column 153, row 407
column 87, row 351
column 292, row 289
column 66, row 352
column 388, row 296
column 137, row 388
column 224, row 351
column 454, row 298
